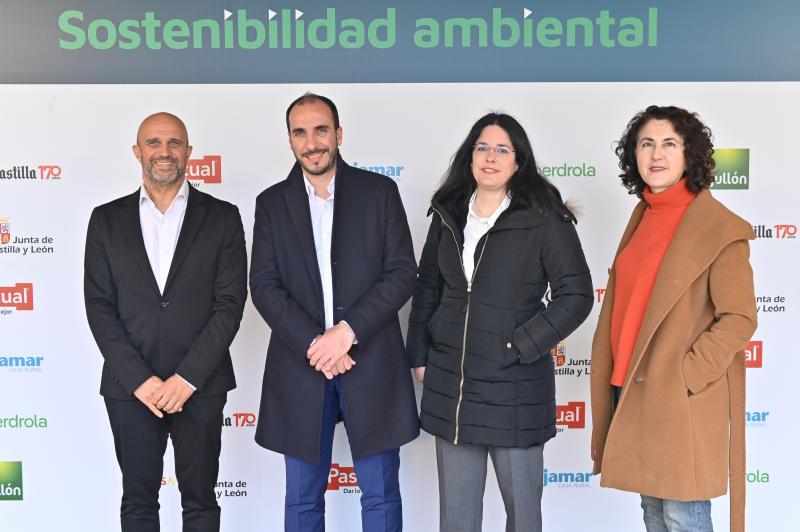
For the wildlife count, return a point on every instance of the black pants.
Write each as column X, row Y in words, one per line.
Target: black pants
column 140, row 440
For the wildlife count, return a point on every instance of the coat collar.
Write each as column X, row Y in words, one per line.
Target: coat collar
column 132, row 229
column 296, row 198
column 455, row 217
column 195, row 214
column 705, row 229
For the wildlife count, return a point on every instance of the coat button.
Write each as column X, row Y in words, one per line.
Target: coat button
column 508, row 345
column 639, row 380
column 164, row 304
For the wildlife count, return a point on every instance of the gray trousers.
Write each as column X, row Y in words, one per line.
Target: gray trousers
column 462, row 479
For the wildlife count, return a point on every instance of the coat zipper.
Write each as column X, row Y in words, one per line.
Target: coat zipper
column 466, row 316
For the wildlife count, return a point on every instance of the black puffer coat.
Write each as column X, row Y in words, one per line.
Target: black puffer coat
column 489, row 375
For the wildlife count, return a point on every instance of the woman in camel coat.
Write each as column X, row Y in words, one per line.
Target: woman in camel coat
column 672, row 428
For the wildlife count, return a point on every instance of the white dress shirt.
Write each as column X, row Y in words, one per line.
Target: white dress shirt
column 476, row 227
column 322, row 225
column 160, row 233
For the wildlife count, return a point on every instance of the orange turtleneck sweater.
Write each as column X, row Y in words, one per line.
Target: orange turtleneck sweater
column 636, row 268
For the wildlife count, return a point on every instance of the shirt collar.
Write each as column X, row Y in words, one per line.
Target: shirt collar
column 310, row 187
column 493, row 217
column 183, row 193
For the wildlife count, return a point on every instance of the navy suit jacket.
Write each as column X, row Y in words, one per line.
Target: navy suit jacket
column 188, row 329
column 374, row 271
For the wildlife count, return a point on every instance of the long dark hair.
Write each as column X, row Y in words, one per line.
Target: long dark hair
column 698, row 150
column 527, row 187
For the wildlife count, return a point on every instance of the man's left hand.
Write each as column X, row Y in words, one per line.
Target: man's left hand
column 325, row 353
column 174, row 394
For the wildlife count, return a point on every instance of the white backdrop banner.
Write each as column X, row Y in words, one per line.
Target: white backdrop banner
column 67, row 148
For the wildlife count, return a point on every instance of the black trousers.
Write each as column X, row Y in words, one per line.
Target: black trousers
column 140, row 440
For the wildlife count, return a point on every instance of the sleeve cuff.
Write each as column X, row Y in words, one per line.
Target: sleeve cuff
column 355, row 338
column 192, row 386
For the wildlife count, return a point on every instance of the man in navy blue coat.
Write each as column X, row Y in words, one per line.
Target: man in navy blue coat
column 332, row 264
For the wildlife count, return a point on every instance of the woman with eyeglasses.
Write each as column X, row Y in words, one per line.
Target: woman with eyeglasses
column 668, row 372
column 479, row 334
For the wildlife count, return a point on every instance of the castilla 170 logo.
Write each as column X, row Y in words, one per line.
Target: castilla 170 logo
column 776, row 231
column 207, row 169
column 240, row 420
column 571, row 415
column 754, row 354
column 45, row 172
column 343, row 478
column 19, row 297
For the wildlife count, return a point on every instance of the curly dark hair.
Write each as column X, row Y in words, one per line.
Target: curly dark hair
column 698, row 149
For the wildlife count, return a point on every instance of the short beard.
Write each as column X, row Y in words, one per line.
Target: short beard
column 160, row 180
column 319, row 171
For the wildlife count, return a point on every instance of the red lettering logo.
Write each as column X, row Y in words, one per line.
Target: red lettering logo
column 244, row 419
column 785, row 231
column 49, row 171
column 19, row 296
column 208, row 169
column 341, row 477
column 754, row 354
column 600, row 293
column 571, row 415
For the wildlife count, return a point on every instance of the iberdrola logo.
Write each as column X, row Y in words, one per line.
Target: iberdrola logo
column 731, row 169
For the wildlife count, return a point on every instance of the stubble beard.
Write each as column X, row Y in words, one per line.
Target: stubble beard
column 315, row 171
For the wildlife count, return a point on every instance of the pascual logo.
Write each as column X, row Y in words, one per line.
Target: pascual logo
column 389, row 170
column 46, row 172
column 731, row 169
column 566, row 365
column 10, row 481
column 777, row 231
column 239, row 420
column 231, row 488
column 23, row 422
column 757, row 419
column 293, row 29
column 207, row 170
column 569, row 170
column 766, row 304
column 754, row 354
column 18, row 297
column 343, row 478
column 23, row 245
column 571, row 415
column 567, row 479
column 21, row 363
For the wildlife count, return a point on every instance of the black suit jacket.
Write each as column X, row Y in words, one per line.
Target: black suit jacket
column 374, row 271
column 188, row 329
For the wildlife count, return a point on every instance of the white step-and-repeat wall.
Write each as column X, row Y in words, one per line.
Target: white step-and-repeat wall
column 66, row 147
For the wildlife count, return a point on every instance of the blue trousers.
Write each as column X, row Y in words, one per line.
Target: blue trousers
column 381, row 506
column 664, row 515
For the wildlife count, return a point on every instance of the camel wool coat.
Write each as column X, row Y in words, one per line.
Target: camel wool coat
column 680, row 416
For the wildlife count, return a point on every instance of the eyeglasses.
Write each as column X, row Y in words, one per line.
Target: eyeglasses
column 669, row 146
column 500, row 151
